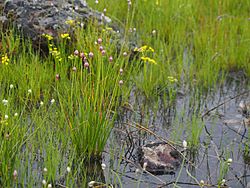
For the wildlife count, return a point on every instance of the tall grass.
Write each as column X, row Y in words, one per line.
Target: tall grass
column 67, row 103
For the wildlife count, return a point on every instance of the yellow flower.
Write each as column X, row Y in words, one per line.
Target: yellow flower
column 109, row 28
column 151, row 49
column 147, row 59
column 49, row 37
column 70, row 22
column 5, row 59
column 71, row 56
column 172, row 79
column 65, row 36
column 144, row 48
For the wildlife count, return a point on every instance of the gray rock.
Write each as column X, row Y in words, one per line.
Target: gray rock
column 159, row 158
column 36, row 17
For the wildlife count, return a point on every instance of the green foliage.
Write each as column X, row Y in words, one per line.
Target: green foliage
column 67, row 104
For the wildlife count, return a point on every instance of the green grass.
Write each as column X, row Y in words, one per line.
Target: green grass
column 70, row 112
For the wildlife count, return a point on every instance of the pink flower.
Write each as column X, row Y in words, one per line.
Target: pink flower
column 103, row 52
column 91, row 54
column 76, row 52
column 110, row 59
column 15, row 174
column 82, row 55
column 57, row 77
column 86, row 65
column 99, row 41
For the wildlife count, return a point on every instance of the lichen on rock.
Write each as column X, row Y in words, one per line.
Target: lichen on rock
column 159, row 158
column 36, row 17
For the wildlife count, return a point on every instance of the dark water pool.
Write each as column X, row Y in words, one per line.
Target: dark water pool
column 223, row 136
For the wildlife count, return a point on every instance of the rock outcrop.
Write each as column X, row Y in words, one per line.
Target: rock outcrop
column 36, row 17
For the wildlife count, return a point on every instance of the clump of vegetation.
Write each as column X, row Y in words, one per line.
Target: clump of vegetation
column 58, row 111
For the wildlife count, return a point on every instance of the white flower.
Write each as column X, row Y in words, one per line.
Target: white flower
column 29, row 91
column 5, row 102
column 44, row 182
column 120, row 82
column 49, row 186
column 68, row 169
column 103, row 166
column 16, row 114
column 145, row 166
column 229, row 161
column 52, row 101
column 45, row 170
column 154, row 32
column 91, row 184
column 184, row 144
column 121, row 71
column 202, row 182
column 6, row 116
column 223, row 181
column 15, row 173
column 41, row 103
column 11, row 86
column 137, row 171
column 96, row 1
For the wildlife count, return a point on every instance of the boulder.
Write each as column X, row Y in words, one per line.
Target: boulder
column 37, row 17
column 159, row 158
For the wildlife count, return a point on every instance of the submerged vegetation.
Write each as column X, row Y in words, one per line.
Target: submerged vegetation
column 58, row 113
